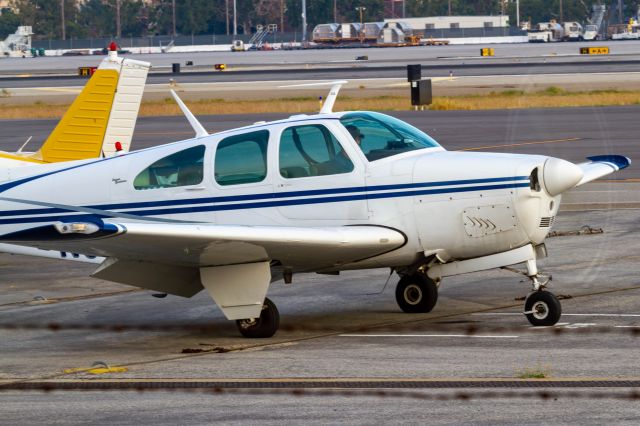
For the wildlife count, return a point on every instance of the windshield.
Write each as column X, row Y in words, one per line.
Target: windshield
column 380, row 136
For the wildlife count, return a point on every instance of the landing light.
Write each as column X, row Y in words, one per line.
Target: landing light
column 76, row 228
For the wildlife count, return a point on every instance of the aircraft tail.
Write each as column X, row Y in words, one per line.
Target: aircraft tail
column 104, row 113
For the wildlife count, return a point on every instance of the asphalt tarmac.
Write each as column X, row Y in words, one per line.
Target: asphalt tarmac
column 510, row 59
column 536, row 52
column 569, row 133
column 345, row 353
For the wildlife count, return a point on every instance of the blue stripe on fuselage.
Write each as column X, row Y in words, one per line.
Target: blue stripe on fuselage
column 264, row 196
column 280, row 203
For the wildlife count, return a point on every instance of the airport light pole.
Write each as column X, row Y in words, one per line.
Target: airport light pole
column 173, row 10
column 561, row 12
column 361, row 9
column 235, row 20
column 226, row 13
column 118, row 27
column 304, row 21
column 64, row 36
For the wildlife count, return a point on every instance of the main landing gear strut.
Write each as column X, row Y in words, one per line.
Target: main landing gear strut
column 416, row 293
column 264, row 326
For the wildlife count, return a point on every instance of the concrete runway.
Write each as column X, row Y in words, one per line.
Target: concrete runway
column 341, row 329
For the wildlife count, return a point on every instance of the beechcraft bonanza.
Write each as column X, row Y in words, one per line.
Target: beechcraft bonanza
column 237, row 210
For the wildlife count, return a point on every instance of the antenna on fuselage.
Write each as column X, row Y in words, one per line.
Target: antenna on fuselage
column 327, row 107
column 24, row 145
column 195, row 124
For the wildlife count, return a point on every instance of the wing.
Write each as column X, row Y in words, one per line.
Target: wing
column 602, row 165
column 234, row 263
column 199, row 245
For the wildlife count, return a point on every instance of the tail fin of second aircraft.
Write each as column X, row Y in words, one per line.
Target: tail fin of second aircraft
column 104, row 113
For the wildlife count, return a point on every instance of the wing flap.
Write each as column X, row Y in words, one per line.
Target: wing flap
column 205, row 245
column 601, row 165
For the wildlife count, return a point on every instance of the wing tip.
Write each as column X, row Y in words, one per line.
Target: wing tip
column 620, row 161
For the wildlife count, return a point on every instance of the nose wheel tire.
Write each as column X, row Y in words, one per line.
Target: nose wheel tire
column 263, row 327
column 416, row 293
column 542, row 308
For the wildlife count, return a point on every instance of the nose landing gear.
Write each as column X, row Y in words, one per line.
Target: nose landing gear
column 541, row 307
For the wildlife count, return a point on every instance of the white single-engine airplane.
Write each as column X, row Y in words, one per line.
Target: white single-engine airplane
column 234, row 211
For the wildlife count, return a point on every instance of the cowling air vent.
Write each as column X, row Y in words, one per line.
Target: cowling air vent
column 546, row 222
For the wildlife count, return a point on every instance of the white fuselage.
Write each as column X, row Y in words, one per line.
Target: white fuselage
column 454, row 205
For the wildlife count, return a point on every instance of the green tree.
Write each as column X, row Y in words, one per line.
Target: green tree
column 44, row 16
column 9, row 22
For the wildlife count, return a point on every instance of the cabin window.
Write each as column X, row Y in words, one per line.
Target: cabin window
column 429, row 26
column 242, row 158
column 454, row 25
column 182, row 168
column 380, row 136
column 311, row 150
column 488, row 24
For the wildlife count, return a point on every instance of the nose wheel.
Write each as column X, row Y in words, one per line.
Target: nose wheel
column 542, row 308
column 264, row 326
column 416, row 293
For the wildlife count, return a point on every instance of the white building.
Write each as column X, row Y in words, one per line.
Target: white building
column 454, row 22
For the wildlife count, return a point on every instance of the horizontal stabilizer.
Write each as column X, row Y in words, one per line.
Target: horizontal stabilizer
column 600, row 166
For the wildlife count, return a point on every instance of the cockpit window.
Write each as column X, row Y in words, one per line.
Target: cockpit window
column 311, row 150
column 182, row 168
column 380, row 136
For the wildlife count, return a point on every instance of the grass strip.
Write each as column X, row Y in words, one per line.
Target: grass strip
column 552, row 97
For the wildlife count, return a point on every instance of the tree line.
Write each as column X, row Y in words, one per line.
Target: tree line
column 138, row 18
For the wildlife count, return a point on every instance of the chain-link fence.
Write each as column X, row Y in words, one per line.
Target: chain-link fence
column 160, row 41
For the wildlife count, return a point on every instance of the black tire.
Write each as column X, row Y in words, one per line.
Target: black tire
column 263, row 327
column 543, row 307
column 416, row 293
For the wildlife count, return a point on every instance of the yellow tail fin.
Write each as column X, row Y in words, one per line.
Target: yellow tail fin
column 81, row 131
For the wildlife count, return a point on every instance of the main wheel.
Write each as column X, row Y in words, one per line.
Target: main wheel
column 264, row 326
column 416, row 293
column 542, row 308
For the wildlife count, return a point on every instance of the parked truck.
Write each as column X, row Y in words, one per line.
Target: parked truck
column 590, row 33
column 546, row 32
column 573, row 31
